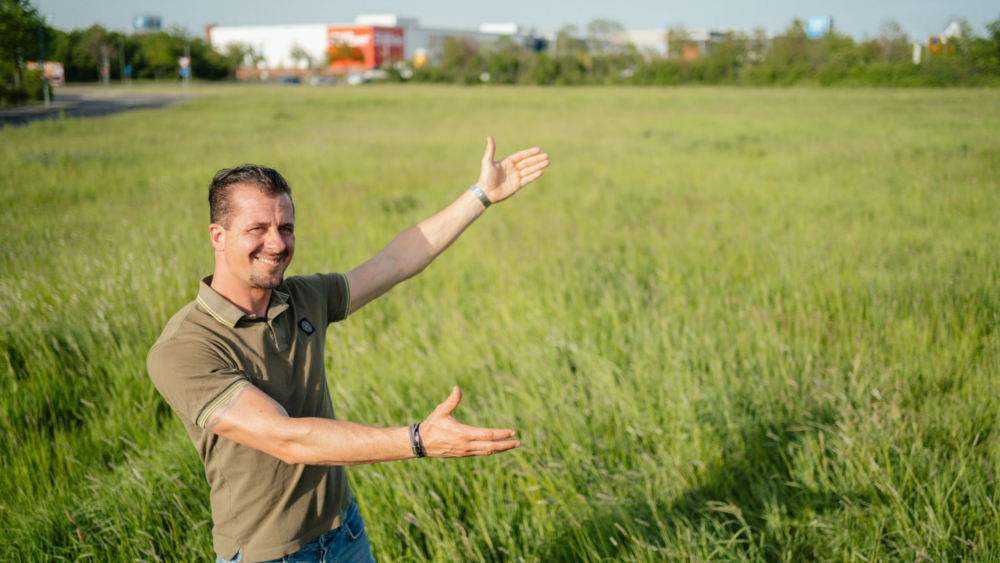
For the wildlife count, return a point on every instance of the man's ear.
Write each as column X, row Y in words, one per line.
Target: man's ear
column 218, row 234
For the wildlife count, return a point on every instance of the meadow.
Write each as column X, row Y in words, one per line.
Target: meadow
column 728, row 324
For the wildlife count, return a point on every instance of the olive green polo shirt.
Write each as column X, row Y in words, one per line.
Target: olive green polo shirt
column 207, row 352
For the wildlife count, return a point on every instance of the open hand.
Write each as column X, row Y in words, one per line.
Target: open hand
column 500, row 180
column 443, row 436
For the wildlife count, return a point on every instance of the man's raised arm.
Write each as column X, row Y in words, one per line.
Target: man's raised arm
column 413, row 249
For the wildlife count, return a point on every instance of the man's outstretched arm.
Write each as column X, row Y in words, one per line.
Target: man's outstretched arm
column 252, row 418
column 413, row 249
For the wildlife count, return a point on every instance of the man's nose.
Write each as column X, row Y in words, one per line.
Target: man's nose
column 274, row 241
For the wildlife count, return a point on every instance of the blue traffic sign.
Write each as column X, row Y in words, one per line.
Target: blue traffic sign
column 817, row 27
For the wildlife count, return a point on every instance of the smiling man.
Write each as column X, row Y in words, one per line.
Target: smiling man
column 243, row 368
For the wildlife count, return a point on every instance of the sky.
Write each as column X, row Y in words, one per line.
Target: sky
column 860, row 18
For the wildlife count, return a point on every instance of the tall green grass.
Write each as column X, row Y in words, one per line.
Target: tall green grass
column 729, row 325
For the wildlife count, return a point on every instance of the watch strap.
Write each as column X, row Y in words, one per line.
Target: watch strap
column 482, row 196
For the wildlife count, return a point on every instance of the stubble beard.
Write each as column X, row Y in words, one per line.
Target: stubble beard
column 265, row 282
column 268, row 281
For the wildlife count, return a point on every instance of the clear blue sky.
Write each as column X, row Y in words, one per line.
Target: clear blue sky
column 856, row 17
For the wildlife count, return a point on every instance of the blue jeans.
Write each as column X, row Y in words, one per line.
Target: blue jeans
column 346, row 544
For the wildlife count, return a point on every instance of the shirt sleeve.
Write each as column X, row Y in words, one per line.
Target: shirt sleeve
column 332, row 290
column 193, row 377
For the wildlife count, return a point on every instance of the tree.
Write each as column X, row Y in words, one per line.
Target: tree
column 461, row 56
column 983, row 52
column 567, row 42
column 725, row 59
column 600, row 33
column 677, row 37
column 19, row 23
column 892, row 41
column 990, row 52
column 237, row 55
column 161, row 50
column 503, row 60
column 299, row 53
column 787, row 59
column 96, row 46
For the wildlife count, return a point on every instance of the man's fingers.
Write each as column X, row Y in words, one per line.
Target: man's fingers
column 532, row 160
column 488, row 448
column 492, row 433
column 491, row 149
column 532, row 169
column 521, row 155
column 525, row 180
column 449, row 404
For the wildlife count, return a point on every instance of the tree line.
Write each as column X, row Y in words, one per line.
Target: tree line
column 751, row 59
column 83, row 52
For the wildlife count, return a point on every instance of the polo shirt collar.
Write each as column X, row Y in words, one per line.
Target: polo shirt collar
column 228, row 314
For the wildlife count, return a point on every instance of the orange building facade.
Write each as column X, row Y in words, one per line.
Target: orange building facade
column 358, row 47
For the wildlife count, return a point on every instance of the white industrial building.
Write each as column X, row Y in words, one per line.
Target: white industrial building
column 371, row 41
column 275, row 43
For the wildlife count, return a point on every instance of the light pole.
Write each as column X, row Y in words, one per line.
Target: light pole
column 121, row 58
column 187, row 74
column 41, row 63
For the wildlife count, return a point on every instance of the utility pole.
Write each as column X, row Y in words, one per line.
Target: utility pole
column 41, row 62
column 105, row 65
column 187, row 75
column 121, row 58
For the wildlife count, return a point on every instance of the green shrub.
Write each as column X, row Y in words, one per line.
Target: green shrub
column 33, row 85
column 30, row 89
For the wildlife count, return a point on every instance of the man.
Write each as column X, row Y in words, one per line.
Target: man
column 243, row 367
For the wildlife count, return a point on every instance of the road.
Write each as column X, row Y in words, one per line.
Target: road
column 89, row 102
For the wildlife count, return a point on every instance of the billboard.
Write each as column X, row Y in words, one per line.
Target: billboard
column 354, row 47
column 53, row 72
column 146, row 23
column 818, row 26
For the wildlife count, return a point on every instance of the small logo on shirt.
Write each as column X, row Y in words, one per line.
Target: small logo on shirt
column 306, row 326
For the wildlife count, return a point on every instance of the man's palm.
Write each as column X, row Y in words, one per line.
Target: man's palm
column 443, row 436
column 500, row 180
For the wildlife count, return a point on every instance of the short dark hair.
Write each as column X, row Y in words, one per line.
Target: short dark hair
column 265, row 179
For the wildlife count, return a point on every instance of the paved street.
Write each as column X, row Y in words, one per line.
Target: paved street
column 89, row 102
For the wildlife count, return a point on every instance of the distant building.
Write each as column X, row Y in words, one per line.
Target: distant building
column 953, row 31
column 696, row 43
column 372, row 41
column 650, row 42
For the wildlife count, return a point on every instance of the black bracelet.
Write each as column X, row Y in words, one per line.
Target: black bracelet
column 415, row 440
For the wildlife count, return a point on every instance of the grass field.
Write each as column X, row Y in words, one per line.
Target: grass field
column 729, row 325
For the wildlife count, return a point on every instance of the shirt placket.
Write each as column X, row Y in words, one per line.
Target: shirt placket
column 278, row 333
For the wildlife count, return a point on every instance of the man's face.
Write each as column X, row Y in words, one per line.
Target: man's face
column 260, row 240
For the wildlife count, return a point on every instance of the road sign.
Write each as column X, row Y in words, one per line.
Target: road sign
column 185, row 62
column 146, row 23
column 817, row 27
column 185, row 72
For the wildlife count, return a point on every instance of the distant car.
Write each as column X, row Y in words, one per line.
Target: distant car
column 356, row 79
column 316, row 80
column 290, row 80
